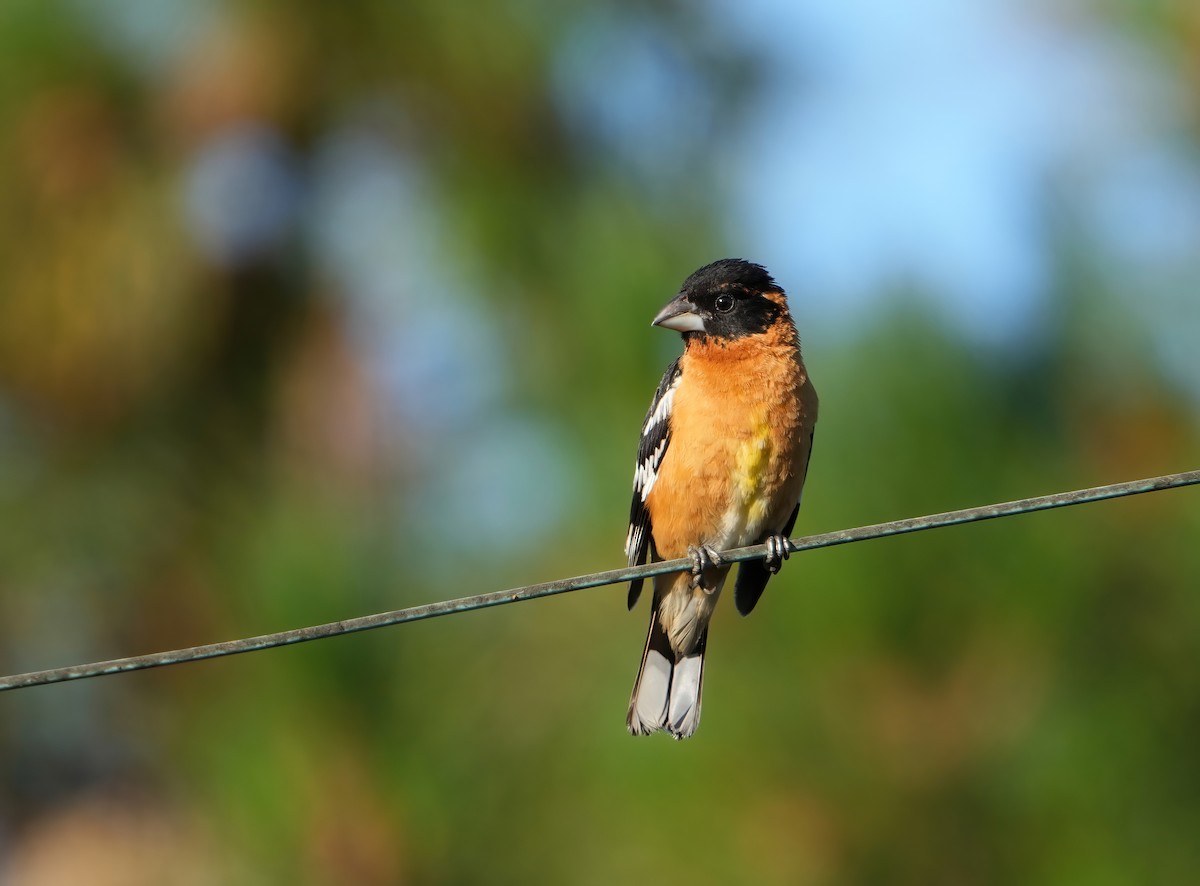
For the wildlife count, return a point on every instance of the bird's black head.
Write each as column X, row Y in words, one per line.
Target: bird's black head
column 728, row 299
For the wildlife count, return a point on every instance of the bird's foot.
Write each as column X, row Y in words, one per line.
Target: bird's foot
column 703, row 558
column 778, row 550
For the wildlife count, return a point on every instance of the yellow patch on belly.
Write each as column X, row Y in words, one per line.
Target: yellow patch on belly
column 752, row 462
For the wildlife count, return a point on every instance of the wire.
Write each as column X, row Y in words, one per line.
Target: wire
column 597, row 579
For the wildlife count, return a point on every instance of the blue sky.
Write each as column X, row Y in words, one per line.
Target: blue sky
column 922, row 148
column 923, row 144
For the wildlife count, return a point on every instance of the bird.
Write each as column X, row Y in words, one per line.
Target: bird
column 721, row 464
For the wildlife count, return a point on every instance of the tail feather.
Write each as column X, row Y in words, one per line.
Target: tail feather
column 667, row 693
column 687, row 681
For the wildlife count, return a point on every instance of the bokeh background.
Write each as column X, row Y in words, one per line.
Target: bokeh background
column 310, row 310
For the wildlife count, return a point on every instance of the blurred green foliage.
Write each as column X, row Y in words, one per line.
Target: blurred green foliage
column 194, row 447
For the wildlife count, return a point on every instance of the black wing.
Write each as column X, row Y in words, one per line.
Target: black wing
column 656, row 436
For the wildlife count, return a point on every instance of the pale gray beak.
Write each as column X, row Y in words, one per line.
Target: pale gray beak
column 680, row 315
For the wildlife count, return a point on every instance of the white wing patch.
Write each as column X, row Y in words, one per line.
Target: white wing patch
column 662, row 409
column 647, row 471
column 633, row 540
column 651, row 448
column 654, row 442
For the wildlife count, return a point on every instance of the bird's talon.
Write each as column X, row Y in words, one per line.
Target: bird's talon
column 777, row 552
column 703, row 558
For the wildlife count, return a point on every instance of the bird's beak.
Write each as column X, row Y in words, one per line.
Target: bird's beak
column 679, row 314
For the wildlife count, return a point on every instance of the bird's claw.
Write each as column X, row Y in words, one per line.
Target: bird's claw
column 703, row 558
column 778, row 550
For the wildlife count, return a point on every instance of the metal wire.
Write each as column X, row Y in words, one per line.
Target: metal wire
column 597, row 579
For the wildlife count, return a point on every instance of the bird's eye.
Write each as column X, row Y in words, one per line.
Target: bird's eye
column 724, row 303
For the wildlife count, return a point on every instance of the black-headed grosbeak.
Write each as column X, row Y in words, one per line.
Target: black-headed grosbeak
column 721, row 464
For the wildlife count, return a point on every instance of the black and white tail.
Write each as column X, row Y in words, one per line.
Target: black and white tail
column 667, row 693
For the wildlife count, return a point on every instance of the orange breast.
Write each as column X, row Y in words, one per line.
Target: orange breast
column 740, row 428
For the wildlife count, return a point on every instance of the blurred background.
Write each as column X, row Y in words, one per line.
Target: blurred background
column 311, row 310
